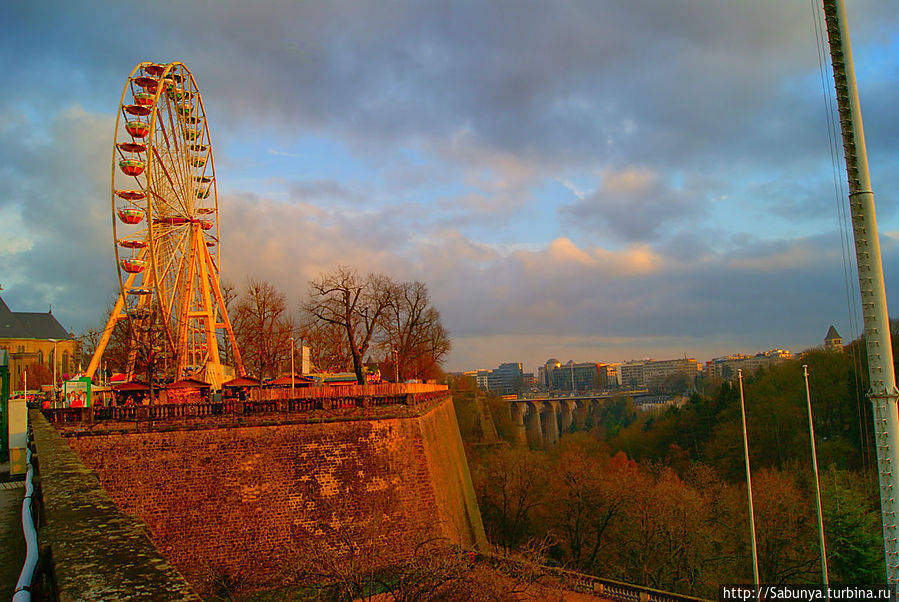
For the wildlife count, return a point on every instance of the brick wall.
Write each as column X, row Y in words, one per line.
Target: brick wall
column 247, row 500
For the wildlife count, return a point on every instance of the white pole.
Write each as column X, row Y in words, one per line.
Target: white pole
column 883, row 392
column 811, row 432
column 291, row 367
column 755, row 555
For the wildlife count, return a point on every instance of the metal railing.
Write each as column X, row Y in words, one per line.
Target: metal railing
column 582, row 582
column 308, row 400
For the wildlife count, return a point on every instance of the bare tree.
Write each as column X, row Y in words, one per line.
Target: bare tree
column 343, row 298
column 262, row 328
column 229, row 295
column 327, row 343
column 412, row 331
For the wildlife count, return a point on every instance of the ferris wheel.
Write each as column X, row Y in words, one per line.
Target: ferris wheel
column 165, row 222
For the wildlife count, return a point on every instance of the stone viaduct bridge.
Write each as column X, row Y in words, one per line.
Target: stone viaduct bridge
column 539, row 422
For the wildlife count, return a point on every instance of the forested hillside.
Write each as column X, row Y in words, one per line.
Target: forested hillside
column 659, row 498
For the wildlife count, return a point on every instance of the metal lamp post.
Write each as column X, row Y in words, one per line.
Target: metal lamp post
column 396, row 365
column 54, row 341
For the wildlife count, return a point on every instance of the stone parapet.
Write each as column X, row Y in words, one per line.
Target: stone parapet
column 90, row 549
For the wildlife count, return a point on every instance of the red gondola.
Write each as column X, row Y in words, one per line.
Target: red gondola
column 206, row 224
column 144, row 98
column 130, row 195
column 137, row 110
column 132, row 167
column 133, row 243
column 133, row 265
column 132, row 147
column 131, row 215
column 155, row 69
column 138, row 129
column 150, row 84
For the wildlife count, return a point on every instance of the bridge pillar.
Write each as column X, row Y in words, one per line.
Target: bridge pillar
column 565, row 416
column 534, row 428
column 518, row 410
column 550, row 425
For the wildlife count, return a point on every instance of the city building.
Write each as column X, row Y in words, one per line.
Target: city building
column 32, row 339
column 609, row 376
column 548, row 368
column 506, row 379
column 652, row 373
column 727, row 367
column 833, row 341
column 577, row 377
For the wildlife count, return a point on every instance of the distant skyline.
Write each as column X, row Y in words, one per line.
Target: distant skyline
column 582, row 179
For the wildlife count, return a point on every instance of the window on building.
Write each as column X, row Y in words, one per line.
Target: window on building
column 40, row 357
column 65, row 361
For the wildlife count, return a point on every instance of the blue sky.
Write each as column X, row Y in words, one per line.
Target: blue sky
column 588, row 180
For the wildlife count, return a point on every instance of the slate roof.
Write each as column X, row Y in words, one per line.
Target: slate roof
column 29, row 325
column 832, row 334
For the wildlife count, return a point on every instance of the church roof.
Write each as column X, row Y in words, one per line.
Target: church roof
column 29, row 325
column 832, row 334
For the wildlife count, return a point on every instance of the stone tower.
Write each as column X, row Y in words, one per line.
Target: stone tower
column 833, row 341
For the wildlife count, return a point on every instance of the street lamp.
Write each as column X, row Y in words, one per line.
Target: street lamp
column 291, row 367
column 54, row 341
column 396, row 366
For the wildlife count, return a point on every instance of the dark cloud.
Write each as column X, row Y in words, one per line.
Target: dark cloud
column 635, row 204
column 668, row 115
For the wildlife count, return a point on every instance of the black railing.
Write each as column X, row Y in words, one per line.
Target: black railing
column 181, row 411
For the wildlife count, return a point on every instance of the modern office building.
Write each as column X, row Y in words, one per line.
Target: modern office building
column 576, row 377
column 652, row 373
column 506, row 379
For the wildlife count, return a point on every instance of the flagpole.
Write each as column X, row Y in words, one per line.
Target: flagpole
column 755, row 554
column 811, row 432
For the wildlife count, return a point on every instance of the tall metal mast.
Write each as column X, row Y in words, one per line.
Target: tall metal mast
column 883, row 392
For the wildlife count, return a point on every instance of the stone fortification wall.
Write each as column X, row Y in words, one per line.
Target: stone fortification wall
column 248, row 500
column 90, row 549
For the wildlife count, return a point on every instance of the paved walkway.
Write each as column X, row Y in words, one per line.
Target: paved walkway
column 12, row 542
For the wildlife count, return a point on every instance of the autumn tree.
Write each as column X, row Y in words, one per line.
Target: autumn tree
column 588, row 497
column 412, row 331
column 263, row 328
column 510, row 485
column 355, row 304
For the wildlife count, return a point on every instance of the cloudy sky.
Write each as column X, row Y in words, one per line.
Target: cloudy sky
column 592, row 180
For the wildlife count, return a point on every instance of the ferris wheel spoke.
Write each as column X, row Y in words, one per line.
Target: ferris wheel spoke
column 169, row 246
column 167, row 148
column 172, row 182
column 181, row 166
